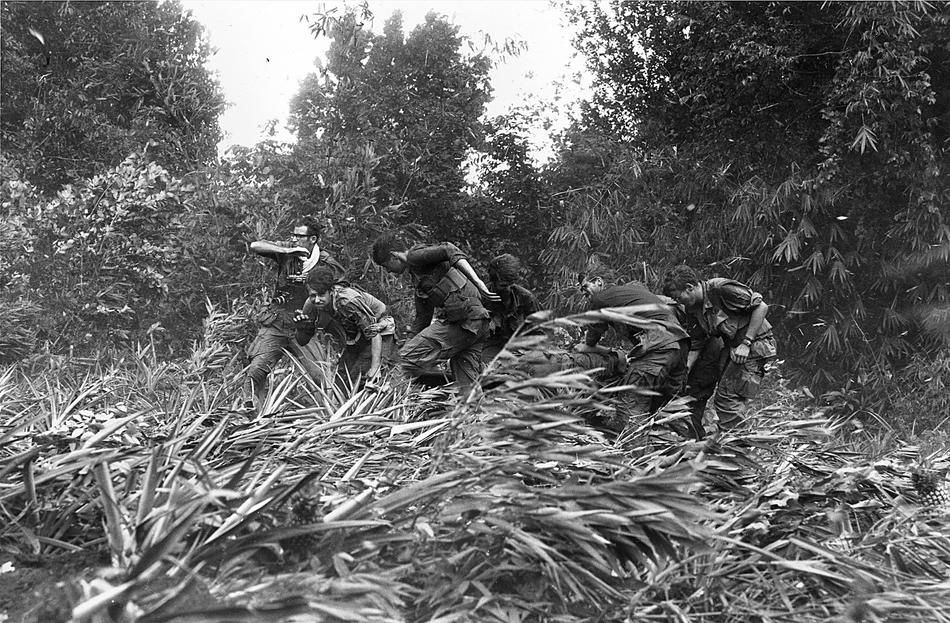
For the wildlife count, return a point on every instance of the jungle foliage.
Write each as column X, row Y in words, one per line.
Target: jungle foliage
column 800, row 147
column 409, row 505
column 86, row 84
column 109, row 120
column 406, row 108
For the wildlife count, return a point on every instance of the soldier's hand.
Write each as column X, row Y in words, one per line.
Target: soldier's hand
column 301, row 317
column 740, row 353
column 490, row 296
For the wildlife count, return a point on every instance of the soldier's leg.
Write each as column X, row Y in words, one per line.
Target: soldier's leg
column 353, row 363
column 312, row 358
column 701, row 382
column 672, row 377
column 440, row 341
column 697, row 409
column 356, row 359
column 312, row 355
column 421, row 352
column 466, row 361
column 264, row 353
column 633, row 404
column 650, row 375
column 642, row 375
column 739, row 383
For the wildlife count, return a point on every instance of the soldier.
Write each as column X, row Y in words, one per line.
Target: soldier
column 369, row 331
column 704, row 365
column 732, row 311
column 290, row 293
column 447, row 287
column 517, row 303
column 656, row 364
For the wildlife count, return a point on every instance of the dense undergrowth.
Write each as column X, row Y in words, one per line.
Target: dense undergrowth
column 408, row 504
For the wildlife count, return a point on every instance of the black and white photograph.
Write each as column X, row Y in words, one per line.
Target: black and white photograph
column 456, row 311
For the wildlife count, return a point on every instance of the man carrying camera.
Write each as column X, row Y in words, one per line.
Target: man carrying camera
column 277, row 330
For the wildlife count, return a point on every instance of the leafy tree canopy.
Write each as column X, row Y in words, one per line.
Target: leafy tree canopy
column 406, row 107
column 85, row 84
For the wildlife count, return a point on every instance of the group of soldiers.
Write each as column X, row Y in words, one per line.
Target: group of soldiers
column 703, row 338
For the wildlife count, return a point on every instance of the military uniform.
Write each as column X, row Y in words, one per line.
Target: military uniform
column 657, row 361
column 707, row 367
column 451, row 322
column 725, row 313
column 360, row 317
column 517, row 303
column 277, row 322
column 543, row 361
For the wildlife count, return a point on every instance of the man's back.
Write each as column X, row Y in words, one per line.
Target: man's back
column 439, row 285
column 635, row 293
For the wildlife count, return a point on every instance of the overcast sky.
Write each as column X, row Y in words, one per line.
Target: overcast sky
column 264, row 50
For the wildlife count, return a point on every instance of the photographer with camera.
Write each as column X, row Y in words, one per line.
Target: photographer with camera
column 294, row 260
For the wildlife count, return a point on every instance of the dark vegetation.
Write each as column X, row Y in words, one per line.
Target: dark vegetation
column 801, row 147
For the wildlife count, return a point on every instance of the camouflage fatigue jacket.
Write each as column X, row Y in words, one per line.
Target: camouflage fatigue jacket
column 517, row 303
column 356, row 315
column 362, row 315
column 665, row 333
column 726, row 311
column 442, row 289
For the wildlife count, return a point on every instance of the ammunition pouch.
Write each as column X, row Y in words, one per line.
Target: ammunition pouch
column 449, row 294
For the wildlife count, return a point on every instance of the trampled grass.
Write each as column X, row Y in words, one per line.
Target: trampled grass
column 410, row 504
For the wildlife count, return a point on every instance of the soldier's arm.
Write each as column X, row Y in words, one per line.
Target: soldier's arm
column 756, row 317
column 423, row 315
column 360, row 312
column 597, row 330
column 469, row 272
column 592, row 339
column 698, row 339
column 448, row 252
column 304, row 323
column 741, row 352
column 268, row 248
column 739, row 299
column 424, row 257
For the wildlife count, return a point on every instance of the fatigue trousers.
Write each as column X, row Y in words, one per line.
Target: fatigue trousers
column 658, row 375
column 702, row 379
column 356, row 359
column 268, row 347
column 738, row 384
column 443, row 340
